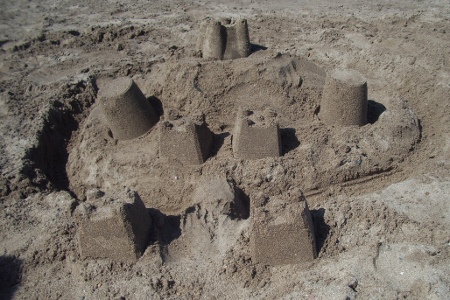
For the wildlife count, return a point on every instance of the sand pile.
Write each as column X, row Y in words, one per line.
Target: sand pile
column 229, row 160
column 313, row 155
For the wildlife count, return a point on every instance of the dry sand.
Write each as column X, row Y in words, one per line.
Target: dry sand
column 378, row 194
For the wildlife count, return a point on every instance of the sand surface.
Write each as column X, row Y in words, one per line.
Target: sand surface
column 378, row 194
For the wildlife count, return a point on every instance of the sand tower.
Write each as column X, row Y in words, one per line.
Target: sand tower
column 283, row 231
column 226, row 39
column 118, row 228
column 128, row 112
column 344, row 99
column 256, row 135
column 185, row 141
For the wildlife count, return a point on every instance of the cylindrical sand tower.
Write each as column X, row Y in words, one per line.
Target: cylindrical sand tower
column 214, row 45
column 126, row 109
column 344, row 98
column 242, row 38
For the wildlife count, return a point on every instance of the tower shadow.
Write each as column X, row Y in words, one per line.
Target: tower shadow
column 289, row 140
column 374, row 111
column 10, row 276
column 255, row 48
column 321, row 229
column 166, row 228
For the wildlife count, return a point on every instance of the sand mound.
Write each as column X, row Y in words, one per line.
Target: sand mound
column 314, row 156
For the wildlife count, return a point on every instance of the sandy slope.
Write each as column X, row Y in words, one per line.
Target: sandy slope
column 381, row 236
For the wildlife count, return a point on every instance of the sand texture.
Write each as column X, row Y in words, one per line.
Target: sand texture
column 224, row 150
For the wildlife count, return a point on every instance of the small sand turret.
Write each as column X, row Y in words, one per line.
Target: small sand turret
column 185, row 141
column 226, row 39
column 256, row 135
column 344, row 99
column 128, row 112
column 213, row 43
column 117, row 228
column 283, row 231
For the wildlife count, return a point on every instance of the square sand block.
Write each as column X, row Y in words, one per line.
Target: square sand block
column 283, row 231
column 117, row 228
column 256, row 135
column 185, row 141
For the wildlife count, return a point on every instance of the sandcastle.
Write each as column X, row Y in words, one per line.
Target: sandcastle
column 256, row 135
column 128, row 112
column 120, row 230
column 185, row 140
column 117, row 228
column 226, row 39
column 283, row 231
column 344, row 99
